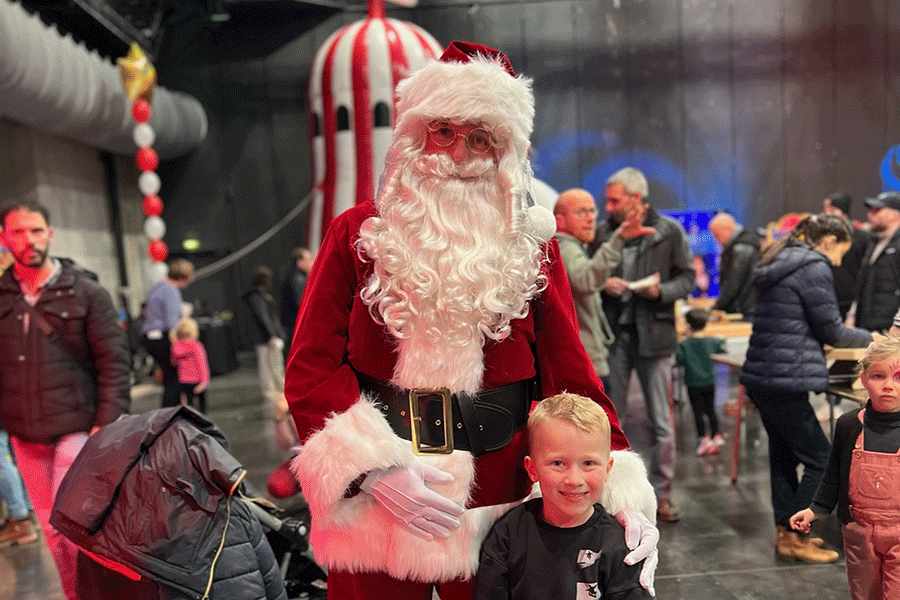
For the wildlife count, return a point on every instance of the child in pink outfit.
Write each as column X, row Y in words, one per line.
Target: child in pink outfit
column 189, row 358
column 863, row 479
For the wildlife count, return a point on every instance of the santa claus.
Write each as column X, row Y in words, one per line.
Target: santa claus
column 432, row 319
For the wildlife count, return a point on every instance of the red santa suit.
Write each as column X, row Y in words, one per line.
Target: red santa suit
column 345, row 434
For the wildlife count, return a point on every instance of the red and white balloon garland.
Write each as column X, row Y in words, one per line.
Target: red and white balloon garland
column 149, row 184
column 138, row 78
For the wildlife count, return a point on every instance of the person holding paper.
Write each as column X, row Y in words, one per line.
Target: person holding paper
column 639, row 301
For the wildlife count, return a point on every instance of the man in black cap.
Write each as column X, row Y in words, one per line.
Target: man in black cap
column 878, row 285
column 845, row 274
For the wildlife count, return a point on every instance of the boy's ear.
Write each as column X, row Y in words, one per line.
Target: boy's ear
column 529, row 466
column 609, row 466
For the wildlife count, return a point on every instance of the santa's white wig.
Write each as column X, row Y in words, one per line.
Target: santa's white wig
column 475, row 84
column 457, row 255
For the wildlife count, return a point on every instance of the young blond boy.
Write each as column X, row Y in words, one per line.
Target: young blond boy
column 563, row 544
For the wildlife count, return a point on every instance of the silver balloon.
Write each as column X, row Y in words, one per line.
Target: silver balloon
column 149, row 183
column 154, row 228
column 143, row 135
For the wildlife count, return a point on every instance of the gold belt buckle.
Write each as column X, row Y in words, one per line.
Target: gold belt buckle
column 415, row 420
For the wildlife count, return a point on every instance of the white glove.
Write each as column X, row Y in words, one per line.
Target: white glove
column 402, row 491
column 641, row 537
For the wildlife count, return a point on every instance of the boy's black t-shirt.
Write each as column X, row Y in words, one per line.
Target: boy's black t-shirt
column 525, row 558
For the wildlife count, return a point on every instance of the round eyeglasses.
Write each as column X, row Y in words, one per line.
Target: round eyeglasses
column 444, row 133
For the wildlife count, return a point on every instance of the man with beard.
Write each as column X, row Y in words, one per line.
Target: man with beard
column 432, row 318
column 64, row 365
column 878, row 282
column 639, row 300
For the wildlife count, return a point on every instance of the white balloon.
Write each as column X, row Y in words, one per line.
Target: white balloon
column 154, row 228
column 149, row 183
column 158, row 271
column 143, row 135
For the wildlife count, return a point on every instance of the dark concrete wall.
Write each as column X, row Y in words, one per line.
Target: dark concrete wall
column 758, row 106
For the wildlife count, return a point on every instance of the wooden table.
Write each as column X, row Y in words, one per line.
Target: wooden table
column 842, row 385
column 843, row 381
column 734, row 362
column 721, row 329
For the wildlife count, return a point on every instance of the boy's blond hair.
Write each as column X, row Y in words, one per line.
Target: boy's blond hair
column 187, row 329
column 583, row 413
column 879, row 350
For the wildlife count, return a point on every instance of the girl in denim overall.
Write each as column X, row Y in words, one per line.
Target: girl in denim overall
column 863, row 479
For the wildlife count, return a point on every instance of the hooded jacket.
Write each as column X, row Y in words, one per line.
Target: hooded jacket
column 796, row 313
column 66, row 384
column 152, row 494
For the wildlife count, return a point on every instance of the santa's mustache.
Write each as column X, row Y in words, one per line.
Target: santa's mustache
column 441, row 165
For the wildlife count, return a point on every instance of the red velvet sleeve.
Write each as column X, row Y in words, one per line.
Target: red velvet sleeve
column 318, row 380
column 563, row 362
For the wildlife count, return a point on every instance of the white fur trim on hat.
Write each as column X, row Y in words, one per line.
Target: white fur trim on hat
column 477, row 91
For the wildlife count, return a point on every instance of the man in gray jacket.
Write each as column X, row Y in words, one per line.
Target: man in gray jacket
column 639, row 300
column 576, row 214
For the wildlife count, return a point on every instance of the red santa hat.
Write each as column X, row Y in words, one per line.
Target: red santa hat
column 474, row 83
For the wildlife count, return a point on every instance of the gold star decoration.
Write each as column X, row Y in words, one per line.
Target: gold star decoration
column 138, row 74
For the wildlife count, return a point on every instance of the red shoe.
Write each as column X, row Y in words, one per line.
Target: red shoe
column 282, row 483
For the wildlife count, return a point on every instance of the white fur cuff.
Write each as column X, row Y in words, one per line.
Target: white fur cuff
column 627, row 487
column 354, row 442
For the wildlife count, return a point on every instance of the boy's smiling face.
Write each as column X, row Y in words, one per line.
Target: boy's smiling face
column 571, row 466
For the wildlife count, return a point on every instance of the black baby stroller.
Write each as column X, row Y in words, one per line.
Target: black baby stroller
column 160, row 507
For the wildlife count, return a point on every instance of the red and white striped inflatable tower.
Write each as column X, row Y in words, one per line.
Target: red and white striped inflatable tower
column 351, row 99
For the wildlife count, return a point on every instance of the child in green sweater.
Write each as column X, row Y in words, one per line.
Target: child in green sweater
column 700, row 378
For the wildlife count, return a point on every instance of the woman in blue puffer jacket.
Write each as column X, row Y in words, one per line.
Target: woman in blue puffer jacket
column 796, row 313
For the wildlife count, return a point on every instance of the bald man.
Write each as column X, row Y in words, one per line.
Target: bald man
column 576, row 215
column 740, row 251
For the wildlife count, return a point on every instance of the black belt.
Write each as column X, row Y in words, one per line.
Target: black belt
column 481, row 423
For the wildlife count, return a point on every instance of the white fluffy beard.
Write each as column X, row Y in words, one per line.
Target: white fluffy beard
column 448, row 272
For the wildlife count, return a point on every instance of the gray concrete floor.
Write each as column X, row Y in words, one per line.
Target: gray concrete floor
column 722, row 549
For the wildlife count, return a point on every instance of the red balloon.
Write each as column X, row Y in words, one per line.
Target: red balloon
column 158, row 250
column 141, row 110
column 147, row 159
column 153, row 205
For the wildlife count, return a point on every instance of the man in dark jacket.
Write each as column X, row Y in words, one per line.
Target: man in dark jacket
column 740, row 251
column 845, row 274
column 64, row 367
column 268, row 339
column 292, row 288
column 639, row 301
column 878, row 286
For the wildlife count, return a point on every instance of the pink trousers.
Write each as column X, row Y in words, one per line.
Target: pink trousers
column 43, row 467
column 872, row 553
